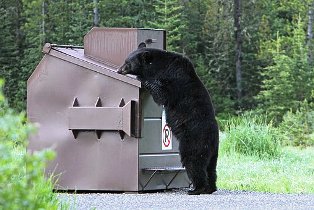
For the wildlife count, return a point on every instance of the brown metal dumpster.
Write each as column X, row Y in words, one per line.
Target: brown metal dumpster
column 107, row 132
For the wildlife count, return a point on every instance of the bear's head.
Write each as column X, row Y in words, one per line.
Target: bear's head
column 144, row 62
column 135, row 61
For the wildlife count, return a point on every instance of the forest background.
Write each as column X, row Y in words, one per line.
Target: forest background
column 254, row 55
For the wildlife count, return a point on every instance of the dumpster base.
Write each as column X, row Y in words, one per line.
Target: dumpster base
column 175, row 170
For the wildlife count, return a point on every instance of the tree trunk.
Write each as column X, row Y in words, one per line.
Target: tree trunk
column 43, row 27
column 238, row 50
column 96, row 13
column 310, row 33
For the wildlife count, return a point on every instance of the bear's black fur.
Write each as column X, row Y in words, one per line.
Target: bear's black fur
column 172, row 81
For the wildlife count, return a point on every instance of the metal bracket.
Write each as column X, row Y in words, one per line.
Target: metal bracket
column 176, row 170
column 100, row 119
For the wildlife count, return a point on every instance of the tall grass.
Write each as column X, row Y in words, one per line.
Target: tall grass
column 250, row 135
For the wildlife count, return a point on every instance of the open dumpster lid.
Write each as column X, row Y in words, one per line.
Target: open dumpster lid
column 76, row 56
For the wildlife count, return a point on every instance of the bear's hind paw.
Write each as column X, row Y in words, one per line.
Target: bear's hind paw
column 203, row 190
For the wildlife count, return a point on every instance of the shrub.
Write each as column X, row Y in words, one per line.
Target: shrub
column 22, row 183
column 251, row 135
column 290, row 78
column 298, row 127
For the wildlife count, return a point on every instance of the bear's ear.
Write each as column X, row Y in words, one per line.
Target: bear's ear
column 141, row 45
column 147, row 57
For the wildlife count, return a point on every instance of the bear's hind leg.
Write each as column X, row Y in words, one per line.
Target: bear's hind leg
column 196, row 170
column 211, row 167
column 211, row 173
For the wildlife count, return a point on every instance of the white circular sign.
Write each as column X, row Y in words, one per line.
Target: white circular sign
column 167, row 136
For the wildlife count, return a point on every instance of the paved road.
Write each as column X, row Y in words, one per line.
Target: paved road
column 178, row 199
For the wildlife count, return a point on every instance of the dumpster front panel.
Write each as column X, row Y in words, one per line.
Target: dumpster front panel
column 159, row 167
column 88, row 157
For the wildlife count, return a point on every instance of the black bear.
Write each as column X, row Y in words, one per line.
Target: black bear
column 172, row 81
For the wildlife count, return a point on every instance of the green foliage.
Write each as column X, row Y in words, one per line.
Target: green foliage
column 216, row 58
column 298, row 126
column 193, row 38
column 123, row 13
column 22, row 183
column 289, row 80
column 67, row 22
column 170, row 19
column 250, row 135
column 11, row 48
column 201, row 29
column 223, row 105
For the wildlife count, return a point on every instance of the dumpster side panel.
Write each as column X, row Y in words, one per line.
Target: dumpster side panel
column 84, row 162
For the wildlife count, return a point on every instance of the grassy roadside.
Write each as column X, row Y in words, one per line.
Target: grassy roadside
column 291, row 172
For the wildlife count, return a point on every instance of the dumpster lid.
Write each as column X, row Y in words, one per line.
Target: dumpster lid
column 113, row 45
column 75, row 55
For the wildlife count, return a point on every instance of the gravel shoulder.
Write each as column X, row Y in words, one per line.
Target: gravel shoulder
column 178, row 199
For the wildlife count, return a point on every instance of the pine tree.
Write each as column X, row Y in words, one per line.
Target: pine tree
column 193, row 38
column 11, row 49
column 238, row 51
column 169, row 17
column 219, row 54
column 68, row 22
column 53, row 21
column 310, row 31
column 125, row 13
column 289, row 80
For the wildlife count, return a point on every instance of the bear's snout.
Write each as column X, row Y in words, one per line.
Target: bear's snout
column 121, row 69
column 124, row 69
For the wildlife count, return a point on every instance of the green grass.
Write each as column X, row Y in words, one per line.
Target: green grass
column 291, row 172
column 252, row 158
column 251, row 135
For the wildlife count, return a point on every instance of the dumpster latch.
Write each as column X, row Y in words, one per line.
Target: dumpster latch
column 100, row 119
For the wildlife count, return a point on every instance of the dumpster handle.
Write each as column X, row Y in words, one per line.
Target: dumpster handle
column 99, row 118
